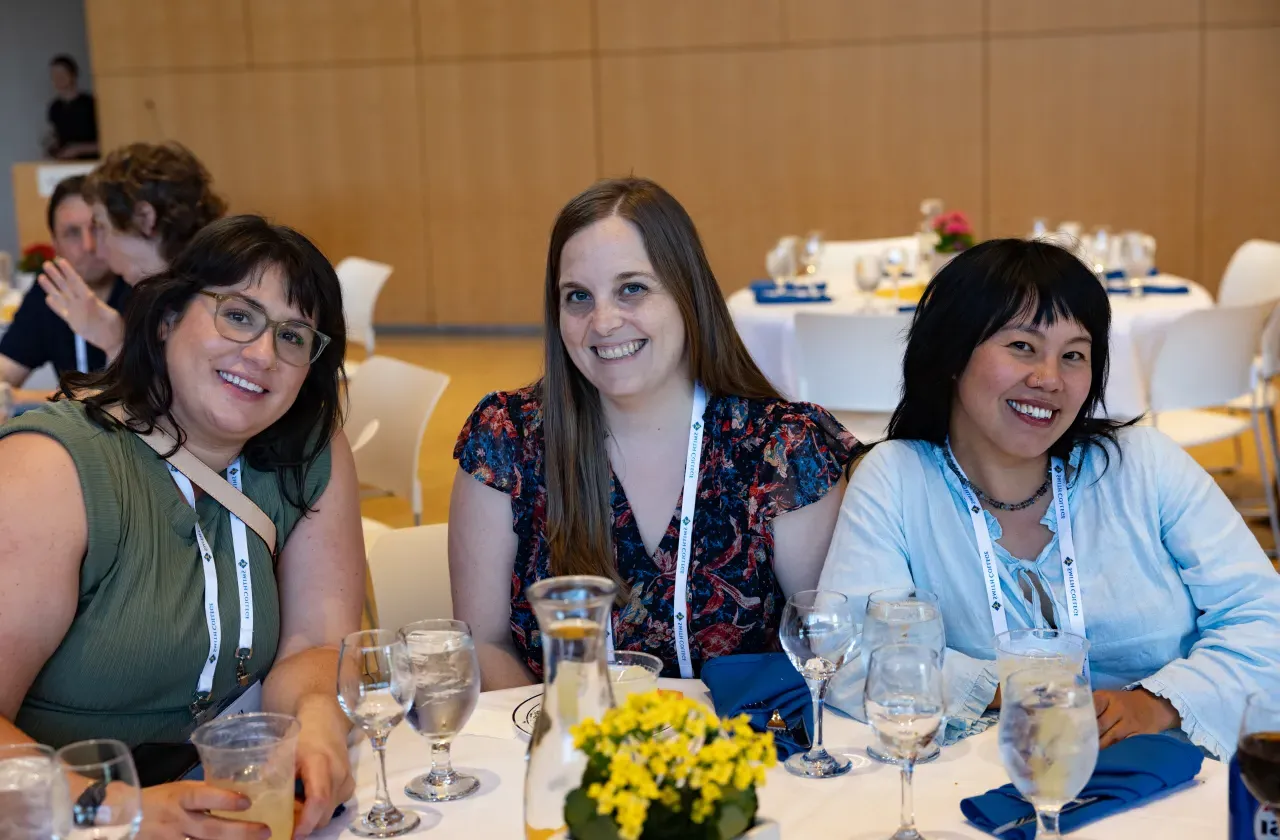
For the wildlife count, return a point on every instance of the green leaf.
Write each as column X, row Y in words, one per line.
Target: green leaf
column 583, row 821
column 731, row 821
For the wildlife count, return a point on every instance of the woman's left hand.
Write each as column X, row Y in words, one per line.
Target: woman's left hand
column 323, row 764
column 1125, row 713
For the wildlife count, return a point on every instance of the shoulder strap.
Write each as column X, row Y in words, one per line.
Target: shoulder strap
column 207, row 480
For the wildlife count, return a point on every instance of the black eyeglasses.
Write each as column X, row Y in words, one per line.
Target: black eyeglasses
column 241, row 320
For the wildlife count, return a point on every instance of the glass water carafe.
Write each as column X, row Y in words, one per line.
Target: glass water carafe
column 572, row 612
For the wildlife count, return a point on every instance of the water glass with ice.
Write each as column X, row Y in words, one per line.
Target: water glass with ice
column 904, row 616
column 1048, row 739
column 32, row 793
column 446, row 677
column 1031, row 647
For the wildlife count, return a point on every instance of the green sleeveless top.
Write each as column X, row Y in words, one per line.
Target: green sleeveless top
column 128, row 665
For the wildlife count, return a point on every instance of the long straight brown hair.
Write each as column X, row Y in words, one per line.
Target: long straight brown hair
column 579, row 510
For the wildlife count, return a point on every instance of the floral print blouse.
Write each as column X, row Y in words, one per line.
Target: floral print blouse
column 760, row 459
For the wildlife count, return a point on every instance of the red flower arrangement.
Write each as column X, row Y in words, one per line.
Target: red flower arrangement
column 955, row 234
column 34, row 257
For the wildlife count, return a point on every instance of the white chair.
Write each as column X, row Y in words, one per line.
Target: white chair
column 851, row 364
column 1205, row 359
column 361, row 281
column 1252, row 275
column 400, row 397
column 409, row 568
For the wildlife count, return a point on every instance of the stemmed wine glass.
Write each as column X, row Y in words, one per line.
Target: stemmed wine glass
column 1048, row 739
column 446, row 676
column 811, row 253
column 1258, row 751
column 109, row 806
column 375, row 689
column 819, row 635
column 904, row 701
column 905, row 615
column 893, row 263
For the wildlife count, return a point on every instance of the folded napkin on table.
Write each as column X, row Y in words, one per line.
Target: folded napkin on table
column 1150, row 289
column 1127, row 774
column 757, row 684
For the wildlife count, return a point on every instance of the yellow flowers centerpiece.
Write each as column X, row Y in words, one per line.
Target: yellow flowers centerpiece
column 663, row 766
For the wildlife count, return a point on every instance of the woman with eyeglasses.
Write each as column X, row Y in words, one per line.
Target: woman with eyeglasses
column 107, row 601
column 148, row 201
column 1004, row 490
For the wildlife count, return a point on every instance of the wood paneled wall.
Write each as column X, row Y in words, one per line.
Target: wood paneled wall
column 443, row 135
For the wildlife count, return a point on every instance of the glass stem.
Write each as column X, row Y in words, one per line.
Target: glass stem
column 381, row 800
column 1048, row 820
column 818, row 692
column 908, row 815
column 441, row 764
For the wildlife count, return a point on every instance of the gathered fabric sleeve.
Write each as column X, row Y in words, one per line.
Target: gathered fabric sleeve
column 805, row 454
column 1235, row 589
column 870, row 551
column 490, row 445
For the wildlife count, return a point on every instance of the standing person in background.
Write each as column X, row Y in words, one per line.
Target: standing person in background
column 73, row 117
column 37, row 335
column 148, row 202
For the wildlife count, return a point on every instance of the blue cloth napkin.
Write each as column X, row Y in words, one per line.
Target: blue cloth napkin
column 1127, row 773
column 1153, row 290
column 755, row 684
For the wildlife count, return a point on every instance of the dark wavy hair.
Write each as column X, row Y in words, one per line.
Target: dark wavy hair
column 974, row 297
column 66, row 188
column 224, row 254
column 579, row 517
column 169, row 178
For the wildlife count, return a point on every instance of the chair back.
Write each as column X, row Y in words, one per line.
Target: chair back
column 840, row 259
column 851, row 361
column 409, row 568
column 1253, row 275
column 401, row 397
column 1206, row 358
column 361, row 281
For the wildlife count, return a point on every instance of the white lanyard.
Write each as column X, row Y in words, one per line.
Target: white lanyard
column 82, row 355
column 684, row 552
column 212, row 614
column 1066, row 551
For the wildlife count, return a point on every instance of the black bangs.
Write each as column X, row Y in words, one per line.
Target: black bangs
column 1000, row 283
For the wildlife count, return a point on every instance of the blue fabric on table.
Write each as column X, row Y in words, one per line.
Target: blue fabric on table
column 755, row 684
column 1127, row 773
column 757, row 285
column 1153, row 290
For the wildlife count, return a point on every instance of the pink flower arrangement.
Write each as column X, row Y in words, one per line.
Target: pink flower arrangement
column 954, row 232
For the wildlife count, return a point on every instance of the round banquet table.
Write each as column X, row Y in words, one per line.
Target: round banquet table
column 861, row 805
column 1137, row 324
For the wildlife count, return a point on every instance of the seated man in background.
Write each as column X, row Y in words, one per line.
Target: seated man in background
column 37, row 335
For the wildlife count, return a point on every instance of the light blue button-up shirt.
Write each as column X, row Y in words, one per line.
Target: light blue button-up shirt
column 1178, row 596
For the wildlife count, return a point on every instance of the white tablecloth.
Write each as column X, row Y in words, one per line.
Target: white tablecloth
column 1137, row 325
column 862, row 805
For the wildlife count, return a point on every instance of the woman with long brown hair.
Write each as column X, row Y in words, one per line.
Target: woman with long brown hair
column 584, row 471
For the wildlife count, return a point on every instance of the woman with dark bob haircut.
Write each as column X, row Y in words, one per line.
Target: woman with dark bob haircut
column 107, row 613
column 584, row 472
column 1004, row 490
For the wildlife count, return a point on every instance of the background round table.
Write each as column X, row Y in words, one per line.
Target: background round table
column 1137, row 324
column 862, row 805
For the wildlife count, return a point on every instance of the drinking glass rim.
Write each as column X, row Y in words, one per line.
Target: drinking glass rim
column 928, row 597
column 1040, row 633
column 439, row 624
column 647, row 658
column 594, row 588
column 370, row 634
column 123, row 753
column 791, row 602
column 201, row 732
column 48, row 751
column 900, row 647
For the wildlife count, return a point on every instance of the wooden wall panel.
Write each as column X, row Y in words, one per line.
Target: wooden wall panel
column 507, row 144
column 1241, row 11
column 1242, row 134
column 1006, row 16
column 130, row 35
column 1100, row 129
column 626, row 24
column 761, row 144
column 858, row 20
column 320, row 32
column 353, row 184
column 458, row 28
